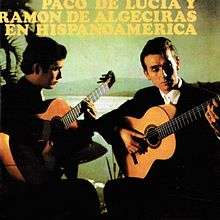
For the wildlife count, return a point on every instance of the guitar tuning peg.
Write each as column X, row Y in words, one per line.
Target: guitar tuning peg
column 111, row 78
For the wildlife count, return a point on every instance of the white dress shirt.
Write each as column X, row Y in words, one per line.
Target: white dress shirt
column 172, row 97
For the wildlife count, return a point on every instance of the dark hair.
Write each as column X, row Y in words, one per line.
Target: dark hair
column 42, row 50
column 157, row 45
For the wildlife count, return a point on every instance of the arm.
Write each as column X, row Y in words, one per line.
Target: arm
column 7, row 158
column 78, row 135
column 213, row 116
column 29, row 162
column 130, row 139
column 84, row 127
column 113, row 127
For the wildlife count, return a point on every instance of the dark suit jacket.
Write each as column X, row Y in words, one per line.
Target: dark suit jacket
column 196, row 158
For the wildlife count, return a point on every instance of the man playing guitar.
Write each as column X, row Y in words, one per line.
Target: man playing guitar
column 165, row 147
column 28, row 123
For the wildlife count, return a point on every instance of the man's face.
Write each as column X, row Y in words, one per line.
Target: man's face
column 162, row 70
column 49, row 79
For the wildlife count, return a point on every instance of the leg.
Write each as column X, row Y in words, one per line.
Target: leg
column 71, row 198
column 129, row 198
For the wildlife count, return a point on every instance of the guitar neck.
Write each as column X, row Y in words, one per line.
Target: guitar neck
column 184, row 119
column 76, row 111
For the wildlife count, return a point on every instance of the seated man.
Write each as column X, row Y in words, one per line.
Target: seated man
column 170, row 158
column 27, row 120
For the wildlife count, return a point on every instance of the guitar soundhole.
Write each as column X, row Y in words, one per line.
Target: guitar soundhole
column 152, row 136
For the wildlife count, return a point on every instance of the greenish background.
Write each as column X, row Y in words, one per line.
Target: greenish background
column 91, row 56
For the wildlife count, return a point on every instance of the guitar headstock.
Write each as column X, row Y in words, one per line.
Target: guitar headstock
column 108, row 78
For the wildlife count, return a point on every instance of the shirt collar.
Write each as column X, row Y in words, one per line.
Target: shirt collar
column 172, row 97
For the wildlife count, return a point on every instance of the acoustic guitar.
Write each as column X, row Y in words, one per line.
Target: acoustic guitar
column 158, row 125
column 67, row 117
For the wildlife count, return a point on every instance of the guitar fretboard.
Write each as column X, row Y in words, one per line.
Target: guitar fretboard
column 183, row 120
column 75, row 112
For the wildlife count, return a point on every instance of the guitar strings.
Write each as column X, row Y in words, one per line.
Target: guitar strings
column 167, row 127
column 75, row 112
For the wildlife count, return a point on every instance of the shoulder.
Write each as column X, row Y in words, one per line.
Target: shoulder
column 151, row 91
column 213, row 87
column 197, row 91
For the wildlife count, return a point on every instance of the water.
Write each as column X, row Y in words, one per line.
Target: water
column 103, row 105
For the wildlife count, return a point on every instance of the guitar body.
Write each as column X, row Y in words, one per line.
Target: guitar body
column 57, row 108
column 162, row 150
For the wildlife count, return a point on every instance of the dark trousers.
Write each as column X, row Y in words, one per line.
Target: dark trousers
column 62, row 200
column 133, row 198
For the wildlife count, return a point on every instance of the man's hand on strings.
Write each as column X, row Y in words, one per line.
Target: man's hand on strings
column 90, row 110
column 213, row 116
column 130, row 139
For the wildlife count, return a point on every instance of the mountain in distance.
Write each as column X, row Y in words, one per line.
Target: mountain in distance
column 122, row 87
